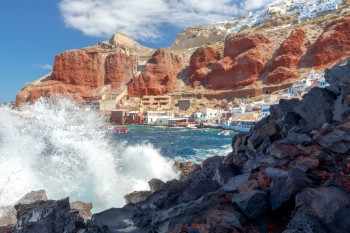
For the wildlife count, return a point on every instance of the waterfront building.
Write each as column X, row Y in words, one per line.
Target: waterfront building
column 155, row 102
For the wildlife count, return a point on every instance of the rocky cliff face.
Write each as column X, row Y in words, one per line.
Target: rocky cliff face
column 82, row 74
column 331, row 46
column 244, row 58
column 159, row 77
column 283, row 64
column 200, row 64
column 260, row 58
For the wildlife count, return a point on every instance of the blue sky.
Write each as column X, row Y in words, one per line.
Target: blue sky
column 33, row 32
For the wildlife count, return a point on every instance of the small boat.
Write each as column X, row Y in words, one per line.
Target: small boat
column 191, row 126
column 118, row 130
column 224, row 133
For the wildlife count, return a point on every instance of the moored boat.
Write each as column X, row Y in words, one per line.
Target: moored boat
column 118, row 130
column 224, row 133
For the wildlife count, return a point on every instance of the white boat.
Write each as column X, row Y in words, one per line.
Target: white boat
column 238, row 126
column 224, row 133
column 191, row 126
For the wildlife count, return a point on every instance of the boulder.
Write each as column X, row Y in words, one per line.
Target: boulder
column 316, row 113
column 330, row 205
column 283, row 149
column 303, row 222
column 111, row 220
column 338, row 78
column 283, row 190
column 155, row 185
column 271, row 130
column 300, row 139
column 47, row 217
column 166, row 220
column 224, row 173
column 137, row 196
column 252, row 204
column 234, row 182
column 83, row 208
column 337, row 141
column 8, row 216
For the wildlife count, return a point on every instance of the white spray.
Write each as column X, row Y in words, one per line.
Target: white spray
column 58, row 146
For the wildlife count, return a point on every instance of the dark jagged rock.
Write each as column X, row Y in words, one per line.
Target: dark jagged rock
column 330, row 205
column 295, row 159
column 283, row 189
column 111, row 219
column 337, row 141
column 184, row 212
column 316, row 113
column 137, row 196
column 270, row 130
column 156, row 185
column 283, row 149
column 252, row 203
column 224, row 173
column 303, row 222
column 234, row 182
column 300, row 139
column 47, row 217
column 339, row 79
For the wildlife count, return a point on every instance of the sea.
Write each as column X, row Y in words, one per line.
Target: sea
column 66, row 150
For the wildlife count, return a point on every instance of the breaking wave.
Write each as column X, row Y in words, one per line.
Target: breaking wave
column 60, row 147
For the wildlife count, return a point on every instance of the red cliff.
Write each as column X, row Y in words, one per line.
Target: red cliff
column 244, row 58
column 200, row 63
column 79, row 74
column 159, row 77
column 332, row 46
column 79, row 67
column 283, row 65
column 119, row 69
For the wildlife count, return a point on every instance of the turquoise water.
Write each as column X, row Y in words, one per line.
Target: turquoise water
column 179, row 144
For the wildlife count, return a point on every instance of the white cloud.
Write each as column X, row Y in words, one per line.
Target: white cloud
column 140, row 19
column 44, row 67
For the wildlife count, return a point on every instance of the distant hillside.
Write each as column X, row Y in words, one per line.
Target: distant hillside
column 263, row 51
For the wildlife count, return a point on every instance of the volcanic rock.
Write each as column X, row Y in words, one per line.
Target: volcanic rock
column 80, row 68
column 9, row 213
column 83, row 208
column 159, row 77
column 50, row 217
column 155, row 185
column 283, row 65
column 200, row 63
column 283, row 189
column 119, row 69
column 330, row 206
column 332, row 45
column 316, row 113
column 252, row 203
column 244, row 58
column 137, row 196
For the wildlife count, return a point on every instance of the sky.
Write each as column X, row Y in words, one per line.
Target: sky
column 33, row 32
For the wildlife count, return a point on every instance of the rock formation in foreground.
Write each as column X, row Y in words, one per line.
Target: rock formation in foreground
column 290, row 174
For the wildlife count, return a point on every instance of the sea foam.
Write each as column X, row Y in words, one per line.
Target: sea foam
column 60, row 147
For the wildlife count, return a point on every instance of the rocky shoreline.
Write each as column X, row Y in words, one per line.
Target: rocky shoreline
column 290, row 174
